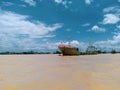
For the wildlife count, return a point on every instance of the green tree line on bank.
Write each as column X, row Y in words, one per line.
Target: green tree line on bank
column 113, row 51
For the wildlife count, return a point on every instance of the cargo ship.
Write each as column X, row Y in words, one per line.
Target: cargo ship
column 68, row 50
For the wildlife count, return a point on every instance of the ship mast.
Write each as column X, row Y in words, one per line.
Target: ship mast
column 69, row 40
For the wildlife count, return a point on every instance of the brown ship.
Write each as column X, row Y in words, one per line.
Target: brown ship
column 68, row 50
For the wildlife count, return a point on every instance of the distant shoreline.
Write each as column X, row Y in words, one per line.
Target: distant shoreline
column 41, row 53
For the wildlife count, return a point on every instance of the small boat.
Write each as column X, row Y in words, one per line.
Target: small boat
column 68, row 50
column 91, row 50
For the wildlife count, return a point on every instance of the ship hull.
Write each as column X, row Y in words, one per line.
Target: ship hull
column 68, row 50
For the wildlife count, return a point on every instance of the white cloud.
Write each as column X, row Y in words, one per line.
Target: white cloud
column 113, row 9
column 112, row 15
column 19, row 24
column 7, row 3
column 18, row 33
column 88, row 1
column 86, row 24
column 58, row 1
column 96, row 28
column 110, row 19
column 65, row 3
column 30, row 2
column 12, row 4
column 118, row 27
column 114, row 43
column 75, row 42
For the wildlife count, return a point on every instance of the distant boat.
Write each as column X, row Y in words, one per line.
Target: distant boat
column 91, row 50
column 68, row 50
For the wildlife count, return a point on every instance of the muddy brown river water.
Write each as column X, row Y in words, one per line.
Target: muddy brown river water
column 53, row 72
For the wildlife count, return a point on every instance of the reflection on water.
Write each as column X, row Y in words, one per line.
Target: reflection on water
column 53, row 72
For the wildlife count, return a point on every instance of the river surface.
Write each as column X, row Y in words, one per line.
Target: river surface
column 54, row 72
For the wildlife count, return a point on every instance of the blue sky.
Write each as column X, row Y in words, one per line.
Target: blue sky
column 40, row 25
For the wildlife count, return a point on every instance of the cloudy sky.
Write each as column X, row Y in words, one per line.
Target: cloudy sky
column 40, row 25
